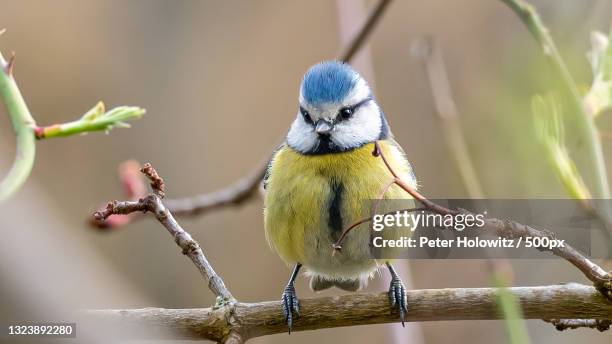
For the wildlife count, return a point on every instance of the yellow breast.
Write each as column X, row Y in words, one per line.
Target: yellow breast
column 301, row 190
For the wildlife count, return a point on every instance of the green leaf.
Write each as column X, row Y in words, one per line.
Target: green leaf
column 94, row 113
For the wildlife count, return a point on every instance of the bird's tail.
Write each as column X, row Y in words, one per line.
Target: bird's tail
column 318, row 283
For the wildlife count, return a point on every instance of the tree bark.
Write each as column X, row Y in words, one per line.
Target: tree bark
column 248, row 320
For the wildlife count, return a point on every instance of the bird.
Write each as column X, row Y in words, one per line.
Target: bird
column 319, row 180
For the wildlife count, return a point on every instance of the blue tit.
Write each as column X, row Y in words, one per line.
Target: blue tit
column 319, row 180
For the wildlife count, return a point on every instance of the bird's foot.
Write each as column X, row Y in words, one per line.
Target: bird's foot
column 398, row 298
column 290, row 305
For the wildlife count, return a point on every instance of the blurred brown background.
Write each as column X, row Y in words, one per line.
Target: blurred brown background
column 219, row 80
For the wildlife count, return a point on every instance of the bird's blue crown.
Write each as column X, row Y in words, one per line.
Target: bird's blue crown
column 328, row 82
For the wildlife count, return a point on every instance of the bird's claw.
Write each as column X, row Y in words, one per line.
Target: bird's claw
column 398, row 298
column 290, row 304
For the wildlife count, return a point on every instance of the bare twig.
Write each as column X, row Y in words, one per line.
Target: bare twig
column 409, row 189
column 241, row 191
column 511, row 229
column 380, row 197
column 152, row 203
column 132, row 182
column 338, row 245
column 250, row 320
column 367, row 28
column 507, row 229
column 564, row 324
column 238, row 193
column 234, row 322
column 157, row 182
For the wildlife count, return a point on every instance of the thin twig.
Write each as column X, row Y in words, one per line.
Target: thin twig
column 132, row 182
column 409, row 189
column 337, row 246
column 250, row 320
column 157, row 182
column 367, row 28
column 241, row 191
column 235, row 322
column 510, row 229
column 380, row 197
column 238, row 193
column 152, row 203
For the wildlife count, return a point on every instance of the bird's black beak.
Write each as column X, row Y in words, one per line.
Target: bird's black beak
column 324, row 127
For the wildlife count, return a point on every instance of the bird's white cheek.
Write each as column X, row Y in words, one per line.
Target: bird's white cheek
column 363, row 128
column 301, row 136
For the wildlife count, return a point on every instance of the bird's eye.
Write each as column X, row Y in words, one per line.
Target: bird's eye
column 306, row 115
column 346, row 112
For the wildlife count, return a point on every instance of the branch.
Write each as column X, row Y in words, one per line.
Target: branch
column 152, row 203
column 241, row 191
column 250, row 320
column 238, row 193
column 507, row 229
column 448, row 114
column 233, row 322
column 363, row 33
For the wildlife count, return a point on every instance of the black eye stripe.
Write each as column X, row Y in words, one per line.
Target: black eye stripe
column 363, row 102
